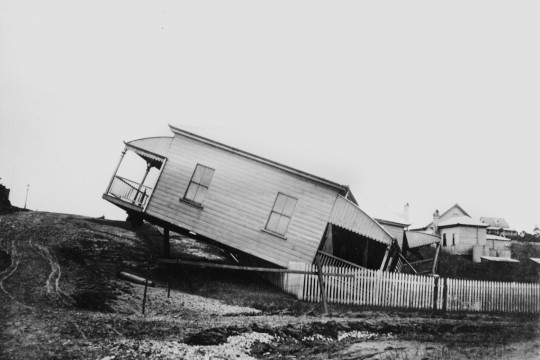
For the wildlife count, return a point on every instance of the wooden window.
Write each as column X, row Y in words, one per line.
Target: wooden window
column 453, row 239
column 444, row 240
column 199, row 183
column 281, row 214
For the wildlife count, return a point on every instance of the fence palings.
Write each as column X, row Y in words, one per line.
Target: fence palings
column 384, row 289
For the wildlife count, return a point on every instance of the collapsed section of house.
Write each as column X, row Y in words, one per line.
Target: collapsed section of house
column 263, row 210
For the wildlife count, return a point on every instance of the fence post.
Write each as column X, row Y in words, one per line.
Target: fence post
column 321, row 283
column 435, row 291
column 145, row 286
column 445, row 295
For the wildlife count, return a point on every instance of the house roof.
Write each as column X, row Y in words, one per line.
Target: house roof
column 394, row 228
column 391, row 222
column 260, row 159
column 151, row 149
column 456, row 205
column 536, row 260
column 496, row 237
column 498, row 259
column 495, row 222
column 417, row 239
column 349, row 216
column 461, row 221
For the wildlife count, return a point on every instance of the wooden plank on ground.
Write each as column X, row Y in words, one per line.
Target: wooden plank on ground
column 245, row 268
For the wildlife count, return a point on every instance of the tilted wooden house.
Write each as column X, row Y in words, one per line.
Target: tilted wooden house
column 247, row 203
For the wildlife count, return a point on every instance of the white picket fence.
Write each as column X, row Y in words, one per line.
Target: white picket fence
column 385, row 289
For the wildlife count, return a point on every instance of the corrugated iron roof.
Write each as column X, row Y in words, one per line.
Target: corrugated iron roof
column 349, row 216
column 498, row 259
column 416, row 239
column 395, row 229
column 497, row 237
column 154, row 145
column 461, row 220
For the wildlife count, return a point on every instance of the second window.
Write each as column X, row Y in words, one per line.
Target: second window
column 281, row 214
column 198, row 186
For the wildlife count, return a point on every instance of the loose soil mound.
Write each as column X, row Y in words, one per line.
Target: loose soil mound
column 60, row 298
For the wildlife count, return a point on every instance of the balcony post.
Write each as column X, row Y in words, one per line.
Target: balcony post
column 148, row 167
column 116, row 170
column 385, row 258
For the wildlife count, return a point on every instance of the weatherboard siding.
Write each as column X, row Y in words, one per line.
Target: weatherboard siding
column 239, row 200
column 466, row 237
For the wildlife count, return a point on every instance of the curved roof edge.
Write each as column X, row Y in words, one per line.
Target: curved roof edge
column 348, row 215
column 155, row 145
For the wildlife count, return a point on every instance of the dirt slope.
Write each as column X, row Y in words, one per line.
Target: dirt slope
column 60, row 299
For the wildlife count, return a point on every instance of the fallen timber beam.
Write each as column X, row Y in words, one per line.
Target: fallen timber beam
column 408, row 263
column 135, row 279
column 422, row 261
column 245, row 268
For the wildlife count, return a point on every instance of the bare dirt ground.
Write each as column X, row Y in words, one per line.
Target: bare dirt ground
column 60, row 298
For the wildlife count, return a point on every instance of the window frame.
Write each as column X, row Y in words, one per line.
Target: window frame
column 280, row 215
column 199, row 184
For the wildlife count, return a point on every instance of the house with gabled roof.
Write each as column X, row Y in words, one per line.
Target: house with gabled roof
column 462, row 235
column 498, row 226
column 249, row 205
column 454, row 211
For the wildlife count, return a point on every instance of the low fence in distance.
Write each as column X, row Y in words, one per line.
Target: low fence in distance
column 396, row 290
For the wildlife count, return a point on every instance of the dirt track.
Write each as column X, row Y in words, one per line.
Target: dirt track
column 60, row 298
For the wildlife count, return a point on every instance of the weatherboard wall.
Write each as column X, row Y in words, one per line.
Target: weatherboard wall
column 466, row 237
column 239, row 201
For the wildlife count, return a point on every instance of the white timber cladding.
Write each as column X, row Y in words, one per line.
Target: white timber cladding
column 466, row 237
column 347, row 215
column 239, row 201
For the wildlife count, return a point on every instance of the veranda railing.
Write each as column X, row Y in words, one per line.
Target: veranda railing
column 130, row 191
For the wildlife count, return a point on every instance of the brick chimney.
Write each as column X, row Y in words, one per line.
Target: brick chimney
column 436, row 222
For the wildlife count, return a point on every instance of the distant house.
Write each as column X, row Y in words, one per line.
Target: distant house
column 269, row 212
column 462, row 235
column 454, row 211
column 498, row 226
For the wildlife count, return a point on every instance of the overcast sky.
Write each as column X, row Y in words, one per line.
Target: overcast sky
column 431, row 103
